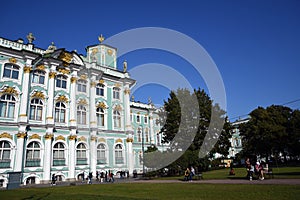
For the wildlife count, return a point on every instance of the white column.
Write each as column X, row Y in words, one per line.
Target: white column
column 73, row 102
column 47, row 155
column 25, row 92
column 72, row 155
column 152, row 135
column 93, row 123
column 128, row 129
column 93, row 153
column 20, row 151
column 50, row 105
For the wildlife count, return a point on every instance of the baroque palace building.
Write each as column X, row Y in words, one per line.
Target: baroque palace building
column 66, row 114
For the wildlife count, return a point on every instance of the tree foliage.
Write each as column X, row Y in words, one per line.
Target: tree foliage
column 272, row 131
column 187, row 118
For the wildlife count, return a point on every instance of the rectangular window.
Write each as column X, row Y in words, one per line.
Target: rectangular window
column 138, row 119
column 145, row 119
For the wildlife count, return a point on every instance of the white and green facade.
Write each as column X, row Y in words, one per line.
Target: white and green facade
column 67, row 114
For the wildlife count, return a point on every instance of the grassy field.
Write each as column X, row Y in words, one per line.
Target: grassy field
column 168, row 191
column 181, row 190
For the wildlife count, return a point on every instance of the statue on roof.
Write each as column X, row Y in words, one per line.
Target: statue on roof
column 125, row 66
column 51, row 48
column 30, row 38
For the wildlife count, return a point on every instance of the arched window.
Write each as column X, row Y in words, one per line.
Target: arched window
column 100, row 89
column 117, row 119
column 81, row 154
column 4, row 154
column 101, row 154
column 81, row 85
column 61, row 81
column 116, row 93
column 100, row 116
column 7, row 106
column 36, row 109
column 38, row 76
column 119, row 154
column 60, row 112
column 11, row 71
column 139, row 135
column 146, row 135
column 59, row 154
column 33, row 151
column 81, row 114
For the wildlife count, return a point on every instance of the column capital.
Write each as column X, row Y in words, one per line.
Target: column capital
column 72, row 137
column 21, row 134
column 52, row 75
column 73, row 79
column 27, row 69
column 48, row 136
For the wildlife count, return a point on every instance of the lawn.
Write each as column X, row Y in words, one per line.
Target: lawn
column 181, row 190
column 174, row 191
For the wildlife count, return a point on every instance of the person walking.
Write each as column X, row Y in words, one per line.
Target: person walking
column 53, row 179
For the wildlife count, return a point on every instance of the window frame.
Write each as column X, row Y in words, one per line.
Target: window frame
column 36, row 107
column 14, row 69
column 60, row 109
column 9, row 105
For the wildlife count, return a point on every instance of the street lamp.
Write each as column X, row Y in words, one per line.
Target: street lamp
column 143, row 151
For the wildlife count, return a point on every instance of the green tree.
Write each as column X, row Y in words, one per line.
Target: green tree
column 271, row 131
column 187, row 117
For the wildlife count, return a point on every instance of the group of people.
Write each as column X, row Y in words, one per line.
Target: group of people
column 101, row 176
column 254, row 169
column 189, row 173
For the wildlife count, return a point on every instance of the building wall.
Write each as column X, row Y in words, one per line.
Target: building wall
column 50, row 100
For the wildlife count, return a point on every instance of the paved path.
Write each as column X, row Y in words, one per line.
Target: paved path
column 230, row 181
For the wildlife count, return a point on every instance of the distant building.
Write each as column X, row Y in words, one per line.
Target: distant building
column 236, row 139
column 66, row 114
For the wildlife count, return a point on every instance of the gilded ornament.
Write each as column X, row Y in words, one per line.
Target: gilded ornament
column 64, row 71
column 93, row 84
column 5, row 135
column 9, row 90
column 93, row 138
column 72, row 137
column 129, row 140
column 62, row 98
column 119, row 140
column 35, row 136
column 22, row 115
column 38, row 95
column 118, row 108
column 101, row 140
column 109, row 52
column 60, row 137
column 73, row 79
column 101, row 81
column 12, row 60
column 66, row 57
column 72, row 120
column 48, row 136
column 93, row 122
column 127, row 91
column 82, row 102
column 117, row 85
column 132, row 98
column 41, row 67
column 27, row 69
column 83, row 76
column 52, row 74
column 21, row 135
column 101, row 105
column 49, row 117
column 82, row 138
column 101, row 38
column 94, row 51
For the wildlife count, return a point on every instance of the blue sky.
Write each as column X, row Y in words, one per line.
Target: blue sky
column 255, row 44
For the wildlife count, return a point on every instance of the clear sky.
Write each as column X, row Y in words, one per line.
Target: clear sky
column 255, row 44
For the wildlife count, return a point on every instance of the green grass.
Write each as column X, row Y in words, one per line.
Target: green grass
column 157, row 191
